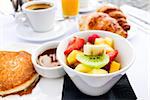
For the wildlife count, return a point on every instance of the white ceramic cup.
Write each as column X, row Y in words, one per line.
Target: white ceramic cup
column 99, row 84
column 40, row 20
column 48, row 72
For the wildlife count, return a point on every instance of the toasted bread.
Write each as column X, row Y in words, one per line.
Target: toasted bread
column 16, row 72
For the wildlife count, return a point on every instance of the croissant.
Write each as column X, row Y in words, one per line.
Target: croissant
column 116, row 13
column 101, row 21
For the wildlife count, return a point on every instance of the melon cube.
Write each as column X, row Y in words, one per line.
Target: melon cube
column 114, row 66
column 98, row 71
column 83, row 68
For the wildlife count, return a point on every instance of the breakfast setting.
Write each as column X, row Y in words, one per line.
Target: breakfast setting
column 74, row 49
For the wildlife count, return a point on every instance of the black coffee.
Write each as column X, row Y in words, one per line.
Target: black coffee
column 38, row 6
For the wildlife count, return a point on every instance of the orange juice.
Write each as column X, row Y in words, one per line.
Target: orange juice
column 70, row 7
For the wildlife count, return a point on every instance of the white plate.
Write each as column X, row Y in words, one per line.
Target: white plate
column 46, row 89
column 132, row 31
column 92, row 7
column 26, row 32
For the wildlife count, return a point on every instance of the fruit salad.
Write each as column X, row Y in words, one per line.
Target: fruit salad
column 96, row 56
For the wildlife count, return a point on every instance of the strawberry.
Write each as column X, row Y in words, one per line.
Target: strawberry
column 92, row 38
column 112, row 55
column 72, row 41
column 75, row 44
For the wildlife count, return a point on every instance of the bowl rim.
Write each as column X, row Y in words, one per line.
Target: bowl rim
column 34, row 56
column 64, row 65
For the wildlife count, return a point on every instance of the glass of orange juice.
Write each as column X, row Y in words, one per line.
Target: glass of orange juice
column 70, row 8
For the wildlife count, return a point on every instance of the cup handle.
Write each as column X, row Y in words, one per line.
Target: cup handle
column 21, row 18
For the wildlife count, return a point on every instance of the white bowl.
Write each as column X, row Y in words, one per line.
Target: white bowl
column 48, row 72
column 95, row 85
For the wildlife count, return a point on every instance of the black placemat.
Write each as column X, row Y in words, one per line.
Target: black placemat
column 121, row 91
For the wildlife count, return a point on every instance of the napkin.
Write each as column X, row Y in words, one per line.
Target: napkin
column 121, row 90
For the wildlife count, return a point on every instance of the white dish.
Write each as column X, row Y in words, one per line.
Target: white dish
column 46, row 89
column 92, row 7
column 95, row 85
column 26, row 32
column 132, row 32
column 48, row 72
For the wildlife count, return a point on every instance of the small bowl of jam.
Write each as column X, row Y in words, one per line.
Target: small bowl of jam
column 45, row 61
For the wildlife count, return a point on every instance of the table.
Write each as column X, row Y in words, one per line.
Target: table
column 138, row 74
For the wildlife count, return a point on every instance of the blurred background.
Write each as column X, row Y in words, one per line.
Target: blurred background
column 6, row 6
column 142, row 4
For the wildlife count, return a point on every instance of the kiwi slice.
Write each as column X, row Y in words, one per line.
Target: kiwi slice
column 93, row 61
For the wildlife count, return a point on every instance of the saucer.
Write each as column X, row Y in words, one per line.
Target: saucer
column 93, row 5
column 26, row 32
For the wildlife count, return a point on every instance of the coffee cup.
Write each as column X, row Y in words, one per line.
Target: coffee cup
column 39, row 15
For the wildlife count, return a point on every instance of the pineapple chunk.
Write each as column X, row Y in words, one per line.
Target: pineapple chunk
column 106, row 40
column 99, row 41
column 114, row 66
column 71, row 59
column 83, row 68
column 109, row 41
column 98, row 71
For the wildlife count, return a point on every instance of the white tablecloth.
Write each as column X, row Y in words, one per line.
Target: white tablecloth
column 137, row 74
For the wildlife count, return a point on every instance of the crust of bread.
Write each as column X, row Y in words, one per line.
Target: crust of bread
column 16, row 71
column 20, row 87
